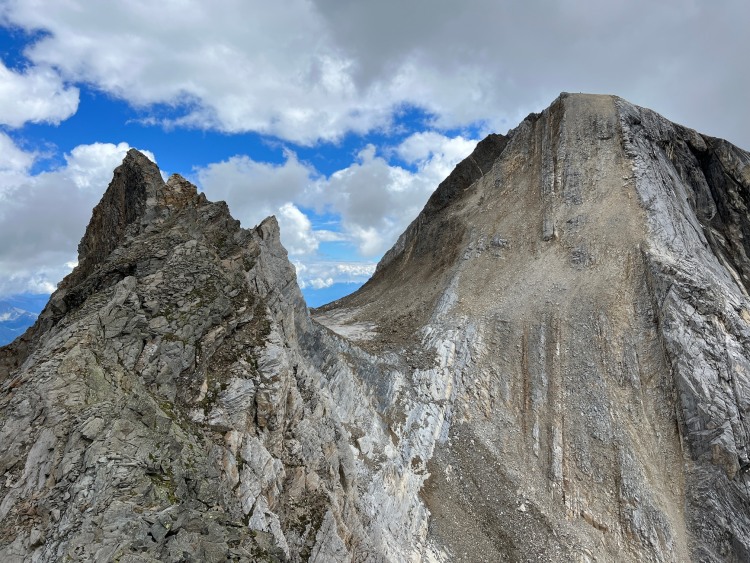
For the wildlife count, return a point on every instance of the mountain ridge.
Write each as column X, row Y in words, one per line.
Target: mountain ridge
column 550, row 364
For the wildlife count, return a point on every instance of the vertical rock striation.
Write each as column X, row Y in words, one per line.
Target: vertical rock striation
column 594, row 276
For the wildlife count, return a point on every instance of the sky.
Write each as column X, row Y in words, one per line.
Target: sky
column 340, row 118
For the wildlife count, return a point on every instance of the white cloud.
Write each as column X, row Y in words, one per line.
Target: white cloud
column 235, row 66
column 320, row 274
column 296, row 230
column 356, row 270
column 43, row 216
column 14, row 166
column 427, row 146
column 374, row 199
column 254, row 190
column 13, row 159
column 329, row 236
column 377, row 200
column 334, row 68
column 319, row 283
column 37, row 94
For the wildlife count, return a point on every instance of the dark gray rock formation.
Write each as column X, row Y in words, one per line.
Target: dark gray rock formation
column 551, row 364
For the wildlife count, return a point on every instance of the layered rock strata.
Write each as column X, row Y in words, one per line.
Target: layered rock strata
column 161, row 409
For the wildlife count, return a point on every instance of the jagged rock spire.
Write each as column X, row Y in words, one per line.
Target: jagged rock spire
column 136, row 182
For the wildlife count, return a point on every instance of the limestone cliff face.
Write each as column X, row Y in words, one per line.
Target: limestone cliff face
column 552, row 364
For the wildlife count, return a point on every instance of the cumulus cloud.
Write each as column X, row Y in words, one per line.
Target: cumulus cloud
column 234, row 66
column 43, row 216
column 373, row 199
column 355, row 270
column 319, row 274
column 429, row 148
column 14, row 165
column 37, row 94
column 376, row 200
column 296, row 230
column 334, row 68
column 320, row 283
column 254, row 190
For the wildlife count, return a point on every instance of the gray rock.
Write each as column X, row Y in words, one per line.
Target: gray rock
column 155, row 408
column 552, row 363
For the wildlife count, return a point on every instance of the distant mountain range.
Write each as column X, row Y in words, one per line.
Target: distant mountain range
column 17, row 313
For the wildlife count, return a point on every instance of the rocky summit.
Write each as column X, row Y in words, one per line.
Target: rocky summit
column 551, row 364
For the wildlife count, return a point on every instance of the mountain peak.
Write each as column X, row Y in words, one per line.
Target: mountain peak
column 597, row 266
column 135, row 186
column 177, row 192
column 553, row 363
column 135, row 156
column 136, row 197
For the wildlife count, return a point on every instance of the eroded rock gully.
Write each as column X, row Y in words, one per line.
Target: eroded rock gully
column 551, row 364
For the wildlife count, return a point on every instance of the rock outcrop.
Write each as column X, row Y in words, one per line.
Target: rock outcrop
column 552, row 364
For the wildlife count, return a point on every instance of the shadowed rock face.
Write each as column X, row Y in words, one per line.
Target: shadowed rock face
column 135, row 182
column 551, row 364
